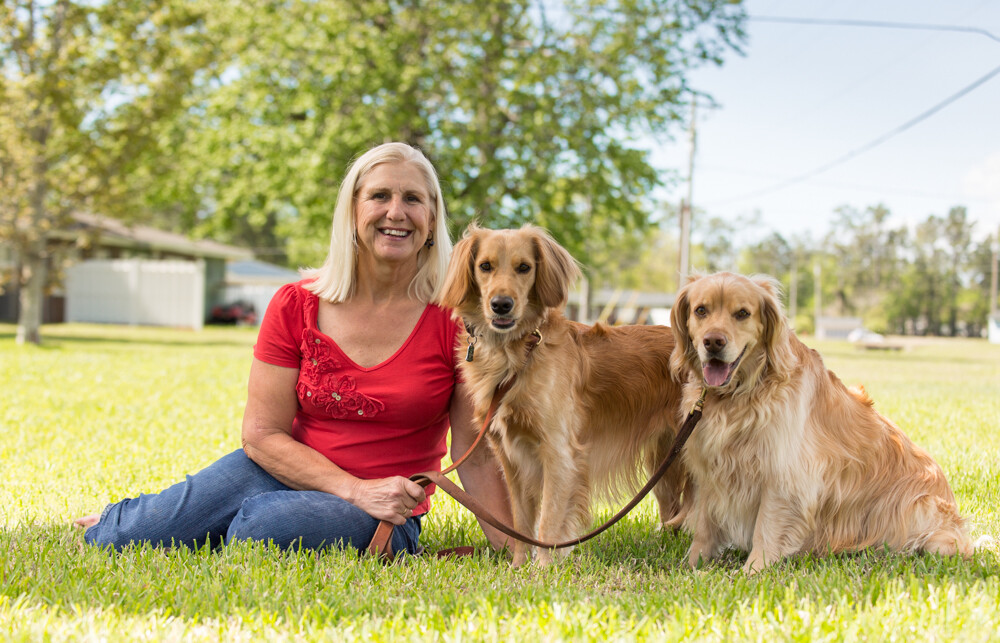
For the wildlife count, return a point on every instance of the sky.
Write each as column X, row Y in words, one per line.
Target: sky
column 805, row 96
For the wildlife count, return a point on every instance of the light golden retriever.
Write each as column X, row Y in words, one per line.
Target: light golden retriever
column 589, row 404
column 786, row 459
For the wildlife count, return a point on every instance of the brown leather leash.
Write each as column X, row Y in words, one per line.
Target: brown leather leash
column 381, row 543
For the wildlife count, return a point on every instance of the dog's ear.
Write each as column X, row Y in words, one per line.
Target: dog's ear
column 775, row 333
column 460, row 283
column 680, row 358
column 556, row 269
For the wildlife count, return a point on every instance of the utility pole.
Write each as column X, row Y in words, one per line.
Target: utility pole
column 687, row 203
column 793, row 290
column 817, row 298
column 993, row 276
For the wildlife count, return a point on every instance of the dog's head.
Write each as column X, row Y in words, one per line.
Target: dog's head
column 502, row 281
column 729, row 328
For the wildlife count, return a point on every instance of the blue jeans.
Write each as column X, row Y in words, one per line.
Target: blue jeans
column 235, row 499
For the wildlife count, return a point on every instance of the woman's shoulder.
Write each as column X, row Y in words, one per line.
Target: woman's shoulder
column 442, row 317
column 294, row 293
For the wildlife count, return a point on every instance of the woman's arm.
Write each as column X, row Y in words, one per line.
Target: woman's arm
column 268, row 441
column 480, row 474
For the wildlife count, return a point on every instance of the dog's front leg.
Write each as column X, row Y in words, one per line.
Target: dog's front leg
column 705, row 545
column 781, row 529
column 563, row 500
column 525, row 512
column 523, row 481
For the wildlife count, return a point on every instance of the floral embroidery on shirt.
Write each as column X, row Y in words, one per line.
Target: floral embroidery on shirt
column 322, row 385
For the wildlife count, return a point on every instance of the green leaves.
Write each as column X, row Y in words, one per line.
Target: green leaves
column 530, row 112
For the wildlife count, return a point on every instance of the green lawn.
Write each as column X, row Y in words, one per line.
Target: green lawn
column 102, row 412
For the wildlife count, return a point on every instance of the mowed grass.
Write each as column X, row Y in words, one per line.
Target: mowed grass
column 102, row 412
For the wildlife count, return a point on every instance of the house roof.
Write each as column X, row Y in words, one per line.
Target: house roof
column 113, row 232
column 258, row 272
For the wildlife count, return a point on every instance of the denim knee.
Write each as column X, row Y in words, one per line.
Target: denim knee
column 313, row 520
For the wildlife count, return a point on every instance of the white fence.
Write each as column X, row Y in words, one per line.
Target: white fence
column 138, row 292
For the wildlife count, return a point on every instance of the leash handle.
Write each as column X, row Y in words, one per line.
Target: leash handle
column 381, row 543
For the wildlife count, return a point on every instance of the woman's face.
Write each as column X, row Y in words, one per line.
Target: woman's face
column 393, row 212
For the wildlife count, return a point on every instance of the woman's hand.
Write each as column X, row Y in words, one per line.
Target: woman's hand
column 391, row 499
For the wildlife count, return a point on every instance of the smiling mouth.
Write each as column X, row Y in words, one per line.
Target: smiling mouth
column 397, row 234
column 718, row 373
column 502, row 323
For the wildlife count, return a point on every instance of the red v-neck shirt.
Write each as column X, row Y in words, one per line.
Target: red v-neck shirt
column 389, row 419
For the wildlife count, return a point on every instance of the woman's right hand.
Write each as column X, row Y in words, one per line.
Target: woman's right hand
column 390, row 499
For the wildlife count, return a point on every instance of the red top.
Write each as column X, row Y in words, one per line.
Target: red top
column 390, row 419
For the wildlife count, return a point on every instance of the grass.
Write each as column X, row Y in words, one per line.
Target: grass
column 101, row 412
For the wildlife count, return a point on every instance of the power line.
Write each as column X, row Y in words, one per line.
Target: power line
column 868, row 146
column 874, row 23
column 888, row 135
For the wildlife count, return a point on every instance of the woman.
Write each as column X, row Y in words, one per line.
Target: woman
column 352, row 388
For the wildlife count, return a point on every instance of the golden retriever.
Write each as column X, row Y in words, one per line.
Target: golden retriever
column 588, row 403
column 786, row 459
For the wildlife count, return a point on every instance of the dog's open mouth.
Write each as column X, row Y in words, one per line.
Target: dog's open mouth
column 503, row 323
column 718, row 373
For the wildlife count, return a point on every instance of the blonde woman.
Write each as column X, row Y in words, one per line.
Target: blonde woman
column 353, row 388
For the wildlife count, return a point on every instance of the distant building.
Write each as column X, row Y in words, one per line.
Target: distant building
column 252, row 283
column 130, row 274
column 837, row 327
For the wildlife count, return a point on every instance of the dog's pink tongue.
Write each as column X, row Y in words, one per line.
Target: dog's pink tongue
column 716, row 372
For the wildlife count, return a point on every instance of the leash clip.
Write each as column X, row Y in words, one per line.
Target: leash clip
column 700, row 404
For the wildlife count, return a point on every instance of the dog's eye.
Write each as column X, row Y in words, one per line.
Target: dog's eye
column 742, row 314
column 700, row 311
column 523, row 268
column 485, row 266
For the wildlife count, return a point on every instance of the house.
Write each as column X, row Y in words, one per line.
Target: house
column 837, row 327
column 250, row 284
column 129, row 274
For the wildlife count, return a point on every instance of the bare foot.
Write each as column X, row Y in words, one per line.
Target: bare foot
column 87, row 521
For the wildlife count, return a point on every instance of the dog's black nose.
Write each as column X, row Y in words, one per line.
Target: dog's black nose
column 714, row 342
column 502, row 305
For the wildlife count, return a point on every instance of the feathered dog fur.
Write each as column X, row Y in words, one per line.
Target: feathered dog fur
column 786, row 459
column 588, row 404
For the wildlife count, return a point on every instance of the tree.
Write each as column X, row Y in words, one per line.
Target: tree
column 958, row 236
column 530, row 110
column 80, row 87
column 867, row 253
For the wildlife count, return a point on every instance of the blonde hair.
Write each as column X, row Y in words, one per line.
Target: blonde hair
column 334, row 280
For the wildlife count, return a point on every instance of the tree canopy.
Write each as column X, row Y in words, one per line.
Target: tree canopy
column 531, row 111
column 82, row 85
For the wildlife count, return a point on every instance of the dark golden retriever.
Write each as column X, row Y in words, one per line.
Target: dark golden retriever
column 589, row 404
column 786, row 458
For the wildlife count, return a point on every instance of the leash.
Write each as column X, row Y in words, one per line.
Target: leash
column 381, row 543
column 470, row 503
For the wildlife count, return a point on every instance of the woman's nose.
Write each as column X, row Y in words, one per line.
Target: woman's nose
column 396, row 206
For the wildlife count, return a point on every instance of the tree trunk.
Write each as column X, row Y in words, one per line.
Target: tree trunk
column 34, row 268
